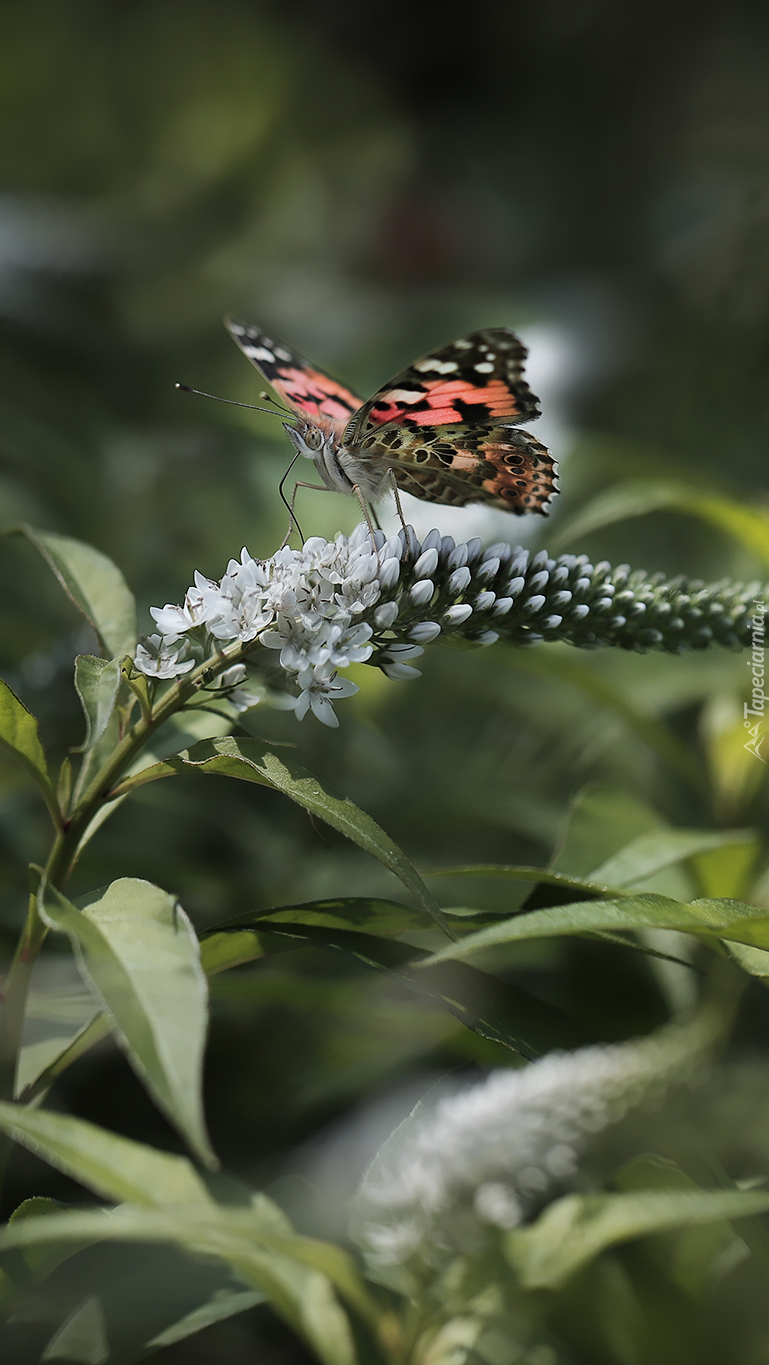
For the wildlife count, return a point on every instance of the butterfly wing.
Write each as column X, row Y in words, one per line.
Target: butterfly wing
column 448, row 427
column 303, row 387
column 498, row 465
column 478, row 378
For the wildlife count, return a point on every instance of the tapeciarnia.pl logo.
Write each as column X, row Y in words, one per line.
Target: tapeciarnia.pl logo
column 757, row 705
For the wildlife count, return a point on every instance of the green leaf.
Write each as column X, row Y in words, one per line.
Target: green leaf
column 35, row 1058
column 575, row 1229
column 728, row 871
column 650, row 853
column 94, row 584
column 138, row 953
column 251, row 761
column 38, row 1071
column 638, row 497
column 97, row 682
column 295, row 1273
column 505, row 1013
column 688, row 1255
column 727, row 919
column 754, row 961
column 225, row 1303
column 643, row 857
column 42, row 1063
column 19, row 734
column 82, row 1338
column 220, row 952
column 28, row 1268
column 386, row 919
column 114, row 1167
column 177, row 733
column 602, row 819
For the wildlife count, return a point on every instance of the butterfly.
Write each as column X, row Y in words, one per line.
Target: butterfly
column 445, row 429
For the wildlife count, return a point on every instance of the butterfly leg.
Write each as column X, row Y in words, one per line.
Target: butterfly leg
column 319, row 488
column 366, row 512
column 398, row 506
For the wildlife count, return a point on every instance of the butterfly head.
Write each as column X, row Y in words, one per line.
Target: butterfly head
column 306, row 438
column 321, row 444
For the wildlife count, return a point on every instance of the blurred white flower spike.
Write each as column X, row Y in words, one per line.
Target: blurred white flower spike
column 492, row 1154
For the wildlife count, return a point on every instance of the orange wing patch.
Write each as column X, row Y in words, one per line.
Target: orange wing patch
column 305, row 388
column 473, row 380
column 313, row 393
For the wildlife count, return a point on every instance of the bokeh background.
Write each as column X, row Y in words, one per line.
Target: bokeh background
column 367, row 181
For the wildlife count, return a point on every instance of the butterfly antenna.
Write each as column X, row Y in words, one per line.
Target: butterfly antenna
column 185, row 388
column 268, row 398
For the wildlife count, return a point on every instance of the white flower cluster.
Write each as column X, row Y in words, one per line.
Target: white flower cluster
column 306, row 605
column 488, row 1154
column 333, row 603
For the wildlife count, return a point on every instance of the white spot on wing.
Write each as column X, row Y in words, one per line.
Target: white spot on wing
column 260, row 353
column 484, row 367
column 404, row 395
column 282, row 354
column 432, row 365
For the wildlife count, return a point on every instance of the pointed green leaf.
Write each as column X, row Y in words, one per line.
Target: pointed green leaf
column 96, row 682
column 251, row 761
column 35, row 1058
column 38, row 1260
column 575, row 1229
column 19, row 734
column 34, row 1080
column 282, row 1265
column 602, row 819
column 82, row 1338
column 638, row 497
column 754, row 961
column 94, row 584
column 521, row 872
column 138, row 953
column 386, row 919
column 41, row 1064
column 225, row 1303
column 505, row 1013
column 650, row 853
column 113, row 1167
column 727, row 919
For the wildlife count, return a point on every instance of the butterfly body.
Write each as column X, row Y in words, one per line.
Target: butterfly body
column 446, row 429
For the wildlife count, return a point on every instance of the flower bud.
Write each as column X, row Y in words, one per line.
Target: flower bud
column 459, row 580
column 422, row 592
column 460, row 612
column 426, row 564
column 389, row 573
column 425, row 632
column 385, row 615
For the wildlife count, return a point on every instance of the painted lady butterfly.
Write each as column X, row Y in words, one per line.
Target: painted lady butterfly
column 446, row 429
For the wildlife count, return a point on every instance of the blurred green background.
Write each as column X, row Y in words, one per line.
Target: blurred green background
column 367, row 181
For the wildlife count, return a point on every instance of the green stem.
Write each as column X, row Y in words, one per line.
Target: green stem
column 101, row 789
column 15, row 1001
column 14, row 1011
column 62, row 859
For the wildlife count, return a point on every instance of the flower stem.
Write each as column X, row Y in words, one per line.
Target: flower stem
column 62, row 858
